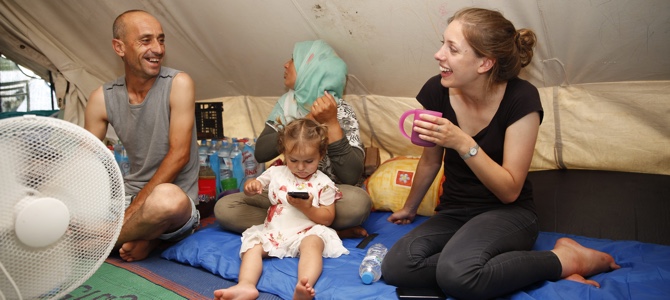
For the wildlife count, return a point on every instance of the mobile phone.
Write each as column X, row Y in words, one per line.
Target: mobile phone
column 299, row 195
column 419, row 293
column 366, row 240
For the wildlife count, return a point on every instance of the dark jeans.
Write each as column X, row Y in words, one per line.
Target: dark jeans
column 476, row 253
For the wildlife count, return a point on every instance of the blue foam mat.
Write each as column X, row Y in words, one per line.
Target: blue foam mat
column 645, row 272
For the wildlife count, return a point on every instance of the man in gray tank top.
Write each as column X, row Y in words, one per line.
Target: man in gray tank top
column 152, row 111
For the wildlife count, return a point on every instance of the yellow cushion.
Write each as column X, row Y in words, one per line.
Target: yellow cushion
column 389, row 186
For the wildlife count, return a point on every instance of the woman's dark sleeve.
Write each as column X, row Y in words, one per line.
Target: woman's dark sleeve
column 347, row 161
column 266, row 145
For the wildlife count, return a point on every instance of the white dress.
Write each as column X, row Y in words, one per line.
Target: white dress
column 285, row 226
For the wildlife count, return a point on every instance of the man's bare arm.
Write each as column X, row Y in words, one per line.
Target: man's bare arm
column 95, row 117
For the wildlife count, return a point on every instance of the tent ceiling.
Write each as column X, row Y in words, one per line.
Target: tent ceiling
column 239, row 47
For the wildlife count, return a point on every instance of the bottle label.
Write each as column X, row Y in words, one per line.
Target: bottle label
column 206, row 189
column 249, row 162
column 374, row 257
column 229, row 184
column 124, row 165
column 228, row 163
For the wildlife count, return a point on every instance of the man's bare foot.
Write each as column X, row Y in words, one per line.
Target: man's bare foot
column 240, row 291
column 579, row 260
column 353, row 232
column 137, row 250
column 303, row 290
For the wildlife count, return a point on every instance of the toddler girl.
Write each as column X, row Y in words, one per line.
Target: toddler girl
column 294, row 226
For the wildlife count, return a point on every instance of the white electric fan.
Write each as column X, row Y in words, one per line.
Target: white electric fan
column 61, row 206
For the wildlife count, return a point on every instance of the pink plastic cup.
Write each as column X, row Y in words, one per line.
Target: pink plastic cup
column 416, row 140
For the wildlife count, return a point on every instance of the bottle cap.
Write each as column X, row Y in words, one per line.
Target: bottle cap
column 367, row 277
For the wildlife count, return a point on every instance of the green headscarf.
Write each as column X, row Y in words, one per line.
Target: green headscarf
column 318, row 69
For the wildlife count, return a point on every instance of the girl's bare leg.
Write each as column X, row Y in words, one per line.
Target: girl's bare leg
column 309, row 267
column 250, row 271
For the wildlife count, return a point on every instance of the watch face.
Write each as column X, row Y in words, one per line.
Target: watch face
column 473, row 151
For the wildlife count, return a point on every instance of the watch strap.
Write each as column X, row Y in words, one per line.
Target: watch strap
column 471, row 152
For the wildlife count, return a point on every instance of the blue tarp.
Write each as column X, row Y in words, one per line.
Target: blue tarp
column 644, row 273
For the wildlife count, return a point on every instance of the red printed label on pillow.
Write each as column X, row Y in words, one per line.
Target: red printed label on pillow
column 404, row 178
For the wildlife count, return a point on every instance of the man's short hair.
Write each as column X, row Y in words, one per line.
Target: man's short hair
column 119, row 26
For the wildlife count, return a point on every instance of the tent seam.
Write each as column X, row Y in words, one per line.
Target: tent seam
column 558, row 141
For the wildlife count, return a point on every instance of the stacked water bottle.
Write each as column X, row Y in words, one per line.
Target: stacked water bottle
column 206, row 176
column 225, row 155
column 231, row 161
column 122, row 158
column 251, row 167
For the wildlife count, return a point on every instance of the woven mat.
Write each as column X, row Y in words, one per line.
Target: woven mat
column 112, row 282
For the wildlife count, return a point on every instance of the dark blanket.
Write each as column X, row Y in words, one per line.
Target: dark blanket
column 604, row 204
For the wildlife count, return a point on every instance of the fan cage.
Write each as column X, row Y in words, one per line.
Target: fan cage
column 48, row 157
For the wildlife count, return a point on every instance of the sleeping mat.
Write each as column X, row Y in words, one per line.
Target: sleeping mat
column 644, row 273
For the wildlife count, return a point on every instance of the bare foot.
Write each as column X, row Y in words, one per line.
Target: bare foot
column 237, row 292
column 579, row 260
column 353, row 232
column 303, row 290
column 137, row 250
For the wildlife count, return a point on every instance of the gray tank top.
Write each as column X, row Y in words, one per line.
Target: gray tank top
column 143, row 129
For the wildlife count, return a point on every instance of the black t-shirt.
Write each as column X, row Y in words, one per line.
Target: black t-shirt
column 462, row 187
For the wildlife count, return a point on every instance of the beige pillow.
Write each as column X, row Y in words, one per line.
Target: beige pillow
column 389, row 186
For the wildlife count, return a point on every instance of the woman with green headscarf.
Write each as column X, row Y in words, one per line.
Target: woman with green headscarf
column 315, row 77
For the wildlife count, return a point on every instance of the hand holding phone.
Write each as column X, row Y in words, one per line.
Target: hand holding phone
column 299, row 195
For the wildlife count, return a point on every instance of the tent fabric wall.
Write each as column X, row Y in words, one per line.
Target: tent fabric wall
column 26, row 40
column 609, row 126
column 601, row 66
column 232, row 47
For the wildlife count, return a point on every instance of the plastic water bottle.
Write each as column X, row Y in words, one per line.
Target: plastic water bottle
column 236, row 163
column 124, row 162
column 249, row 162
column 371, row 266
column 121, row 157
column 226, row 180
column 235, row 151
column 202, row 153
column 225, row 146
column 213, row 147
column 117, row 151
column 206, row 176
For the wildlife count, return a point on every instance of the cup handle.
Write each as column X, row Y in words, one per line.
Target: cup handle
column 401, row 123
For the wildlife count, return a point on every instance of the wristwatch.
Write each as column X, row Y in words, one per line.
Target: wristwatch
column 472, row 152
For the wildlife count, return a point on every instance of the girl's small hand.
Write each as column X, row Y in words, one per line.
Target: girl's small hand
column 300, row 204
column 253, row 187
